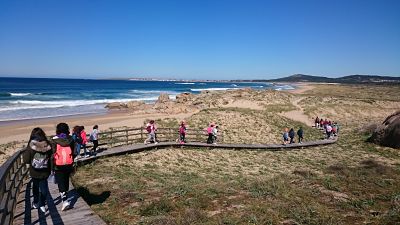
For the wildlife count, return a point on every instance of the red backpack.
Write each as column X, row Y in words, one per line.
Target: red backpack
column 63, row 156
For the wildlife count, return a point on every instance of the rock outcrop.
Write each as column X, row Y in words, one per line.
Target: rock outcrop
column 185, row 97
column 388, row 133
column 163, row 98
column 134, row 104
column 116, row 105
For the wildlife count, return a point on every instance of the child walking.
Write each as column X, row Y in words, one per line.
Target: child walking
column 38, row 155
column 182, row 133
column 63, row 156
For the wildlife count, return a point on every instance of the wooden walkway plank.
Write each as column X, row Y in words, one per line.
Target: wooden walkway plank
column 80, row 213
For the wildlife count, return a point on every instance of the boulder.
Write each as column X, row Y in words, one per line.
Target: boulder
column 134, row 104
column 184, row 97
column 388, row 133
column 164, row 97
column 116, row 105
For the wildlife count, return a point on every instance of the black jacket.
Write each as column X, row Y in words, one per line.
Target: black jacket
column 300, row 132
column 291, row 133
column 42, row 147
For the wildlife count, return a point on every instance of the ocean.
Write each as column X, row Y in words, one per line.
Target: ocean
column 31, row 98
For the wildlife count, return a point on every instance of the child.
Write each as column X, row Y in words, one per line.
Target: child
column 300, row 134
column 38, row 156
column 76, row 135
column 84, row 141
column 291, row 135
column 151, row 129
column 63, row 156
column 215, row 133
column 285, row 136
column 210, row 138
column 94, row 138
column 182, row 133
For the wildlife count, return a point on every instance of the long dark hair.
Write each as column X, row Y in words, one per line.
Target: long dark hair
column 37, row 134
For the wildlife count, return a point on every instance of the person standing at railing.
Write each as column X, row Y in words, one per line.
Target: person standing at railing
column 63, row 157
column 38, row 156
column 151, row 129
column 94, row 135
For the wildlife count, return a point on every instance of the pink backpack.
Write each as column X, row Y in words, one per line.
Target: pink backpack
column 63, row 156
column 209, row 130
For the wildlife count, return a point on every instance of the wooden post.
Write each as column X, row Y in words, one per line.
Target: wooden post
column 127, row 139
column 141, row 134
column 111, row 139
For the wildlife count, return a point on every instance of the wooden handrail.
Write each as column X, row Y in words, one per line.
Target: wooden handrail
column 12, row 175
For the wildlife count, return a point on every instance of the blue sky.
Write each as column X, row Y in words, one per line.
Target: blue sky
column 199, row 39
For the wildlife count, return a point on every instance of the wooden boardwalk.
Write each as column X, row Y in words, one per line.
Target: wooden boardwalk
column 81, row 212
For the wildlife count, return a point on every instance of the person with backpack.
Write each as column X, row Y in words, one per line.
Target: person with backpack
column 291, row 135
column 38, row 156
column 209, row 130
column 300, row 134
column 84, row 141
column 151, row 129
column 94, row 135
column 182, row 133
column 63, row 159
column 76, row 136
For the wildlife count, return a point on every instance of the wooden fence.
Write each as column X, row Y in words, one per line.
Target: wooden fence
column 12, row 174
column 130, row 136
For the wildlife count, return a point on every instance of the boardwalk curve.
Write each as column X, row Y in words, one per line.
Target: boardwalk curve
column 22, row 213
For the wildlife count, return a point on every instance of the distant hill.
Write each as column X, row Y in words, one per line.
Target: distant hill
column 346, row 79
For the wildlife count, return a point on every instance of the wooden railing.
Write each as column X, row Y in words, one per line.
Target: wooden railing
column 129, row 136
column 12, row 174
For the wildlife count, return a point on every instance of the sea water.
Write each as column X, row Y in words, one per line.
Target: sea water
column 30, row 98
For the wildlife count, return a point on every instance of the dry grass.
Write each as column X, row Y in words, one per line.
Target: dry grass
column 350, row 182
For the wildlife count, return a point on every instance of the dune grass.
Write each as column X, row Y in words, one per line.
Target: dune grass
column 350, row 182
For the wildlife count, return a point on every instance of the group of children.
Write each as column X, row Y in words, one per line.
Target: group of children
column 80, row 138
column 290, row 134
column 331, row 128
column 211, row 131
column 56, row 157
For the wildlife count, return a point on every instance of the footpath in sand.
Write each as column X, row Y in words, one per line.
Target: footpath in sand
column 298, row 114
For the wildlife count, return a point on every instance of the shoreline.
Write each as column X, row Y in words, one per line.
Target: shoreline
column 19, row 130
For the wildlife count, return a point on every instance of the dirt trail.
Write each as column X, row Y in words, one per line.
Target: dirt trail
column 298, row 114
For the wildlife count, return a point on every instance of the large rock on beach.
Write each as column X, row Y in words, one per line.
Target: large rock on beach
column 116, row 105
column 164, row 97
column 134, row 104
column 184, row 97
column 388, row 133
